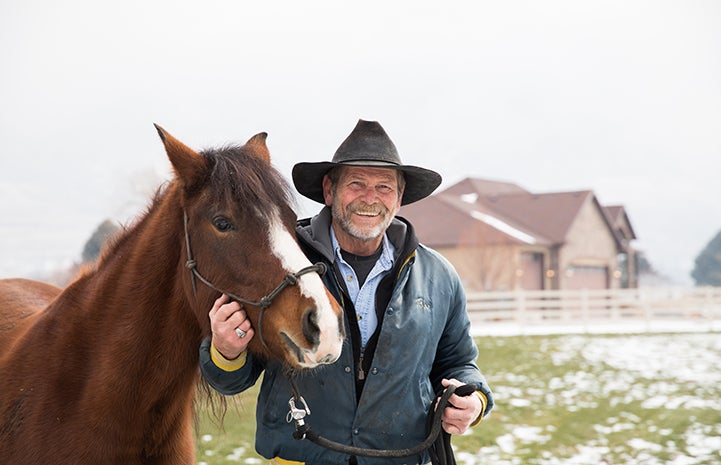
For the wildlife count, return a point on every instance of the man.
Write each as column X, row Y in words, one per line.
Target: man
column 406, row 322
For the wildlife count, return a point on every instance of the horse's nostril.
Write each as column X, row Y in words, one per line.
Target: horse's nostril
column 311, row 330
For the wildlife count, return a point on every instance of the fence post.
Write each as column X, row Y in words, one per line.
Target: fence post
column 584, row 309
column 520, row 297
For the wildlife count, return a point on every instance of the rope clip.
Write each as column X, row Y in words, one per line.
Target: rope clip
column 295, row 413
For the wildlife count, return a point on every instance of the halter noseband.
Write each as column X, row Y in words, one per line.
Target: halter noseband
column 289, row 280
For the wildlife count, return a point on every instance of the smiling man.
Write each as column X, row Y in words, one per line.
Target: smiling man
column 405, row 317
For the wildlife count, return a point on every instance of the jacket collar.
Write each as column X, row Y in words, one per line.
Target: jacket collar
column 315, row 232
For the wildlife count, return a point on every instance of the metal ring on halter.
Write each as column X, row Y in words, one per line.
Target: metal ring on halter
column 241, row 334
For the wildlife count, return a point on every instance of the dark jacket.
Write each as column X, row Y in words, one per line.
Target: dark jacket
column 423, row 336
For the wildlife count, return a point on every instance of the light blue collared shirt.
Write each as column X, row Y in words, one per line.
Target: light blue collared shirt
column 364, row 298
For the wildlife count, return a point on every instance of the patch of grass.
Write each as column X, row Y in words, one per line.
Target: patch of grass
column 231, row 441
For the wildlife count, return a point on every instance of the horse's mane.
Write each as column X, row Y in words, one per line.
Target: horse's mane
column 114, row 243
column 247, row 177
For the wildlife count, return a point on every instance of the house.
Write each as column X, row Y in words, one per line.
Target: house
column 500, row 236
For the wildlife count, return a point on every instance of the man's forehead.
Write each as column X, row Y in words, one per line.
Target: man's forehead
column 365, row 172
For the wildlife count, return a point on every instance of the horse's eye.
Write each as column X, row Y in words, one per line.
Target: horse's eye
column 222, row 224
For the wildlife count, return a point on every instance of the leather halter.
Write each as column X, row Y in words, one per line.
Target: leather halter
column 289, row 280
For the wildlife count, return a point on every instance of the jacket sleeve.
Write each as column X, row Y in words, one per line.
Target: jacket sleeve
column 228, row 382
column 457, row 352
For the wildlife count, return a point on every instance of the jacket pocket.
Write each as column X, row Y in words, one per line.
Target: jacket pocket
column 274, row 409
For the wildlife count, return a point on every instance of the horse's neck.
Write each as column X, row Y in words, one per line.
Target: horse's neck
column 115, row 356
column 132, row 307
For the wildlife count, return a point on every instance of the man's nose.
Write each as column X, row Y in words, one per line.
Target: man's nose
column 369, row 194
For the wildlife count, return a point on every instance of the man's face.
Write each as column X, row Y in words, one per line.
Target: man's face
column 364, row 200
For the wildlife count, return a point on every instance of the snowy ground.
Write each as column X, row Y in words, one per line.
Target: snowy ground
column 671, row 371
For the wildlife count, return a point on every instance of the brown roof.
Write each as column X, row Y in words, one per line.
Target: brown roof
column 442, row 221
column 492, row 212
column 483, row 187
column 618, row 216
column 549, row 215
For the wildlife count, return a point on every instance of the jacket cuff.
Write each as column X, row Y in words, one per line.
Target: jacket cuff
column 228, row 365
column 484, row 403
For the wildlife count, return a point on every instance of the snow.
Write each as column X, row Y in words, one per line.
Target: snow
column 626, row 368
column 503, row 226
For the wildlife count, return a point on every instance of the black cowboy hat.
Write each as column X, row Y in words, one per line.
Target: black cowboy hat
column 367, row 145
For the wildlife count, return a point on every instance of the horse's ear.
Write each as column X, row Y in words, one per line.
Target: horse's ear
column 257, row 144
column 189, row 165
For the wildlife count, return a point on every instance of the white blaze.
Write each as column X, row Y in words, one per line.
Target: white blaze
column 292, row 258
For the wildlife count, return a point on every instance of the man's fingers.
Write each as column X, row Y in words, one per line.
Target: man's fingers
column 223, row 299
column 227, row 310
column 239, row 319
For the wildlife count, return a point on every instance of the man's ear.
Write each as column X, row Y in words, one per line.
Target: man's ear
column 327, row 190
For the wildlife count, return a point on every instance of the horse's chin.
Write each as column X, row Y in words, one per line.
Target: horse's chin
column 305, row 358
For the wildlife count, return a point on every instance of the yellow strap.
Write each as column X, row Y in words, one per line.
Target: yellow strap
column 280, row 461
column 484, row 403
column 225, row 364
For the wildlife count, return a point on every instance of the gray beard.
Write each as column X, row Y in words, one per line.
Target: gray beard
column 343, row 220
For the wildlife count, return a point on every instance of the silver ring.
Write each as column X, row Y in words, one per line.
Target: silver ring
column 241, row 334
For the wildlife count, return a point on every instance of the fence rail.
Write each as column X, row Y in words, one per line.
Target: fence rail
column 699, row 306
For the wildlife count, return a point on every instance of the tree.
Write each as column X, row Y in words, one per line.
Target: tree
column 103, row 232
column 707, row 271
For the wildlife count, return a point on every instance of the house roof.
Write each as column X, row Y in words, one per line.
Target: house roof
column 483, row 187
column 442, row 221
column 618, row 216
column 550, row 215
column 476, row 211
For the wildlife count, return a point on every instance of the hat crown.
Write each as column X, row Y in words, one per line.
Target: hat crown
column 367, row 142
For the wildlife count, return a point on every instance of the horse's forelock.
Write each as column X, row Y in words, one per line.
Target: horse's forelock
column 249, row 179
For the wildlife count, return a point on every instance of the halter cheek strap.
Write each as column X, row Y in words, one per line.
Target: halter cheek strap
column 289, row 280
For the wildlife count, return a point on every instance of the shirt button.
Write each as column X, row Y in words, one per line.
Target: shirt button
column 356, row 431
column 349, row 277
column 347, row 369
column 374, row 371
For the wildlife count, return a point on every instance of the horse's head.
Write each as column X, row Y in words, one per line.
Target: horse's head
column 239, row 228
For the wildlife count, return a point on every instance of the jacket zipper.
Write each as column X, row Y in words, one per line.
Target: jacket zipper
column 361, row 372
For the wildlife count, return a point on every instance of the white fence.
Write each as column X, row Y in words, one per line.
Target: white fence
column 607, row 310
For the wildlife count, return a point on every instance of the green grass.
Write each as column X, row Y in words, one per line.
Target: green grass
column 230, row 441
column 564, row 399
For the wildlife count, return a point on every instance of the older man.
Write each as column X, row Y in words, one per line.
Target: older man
column 406, row 322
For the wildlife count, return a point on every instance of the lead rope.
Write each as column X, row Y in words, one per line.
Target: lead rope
column 299, row 410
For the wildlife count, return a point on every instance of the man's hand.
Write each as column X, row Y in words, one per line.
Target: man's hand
column 461, row 411
column 225, row 317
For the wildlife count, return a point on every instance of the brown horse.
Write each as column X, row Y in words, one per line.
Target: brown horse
column 105, row 371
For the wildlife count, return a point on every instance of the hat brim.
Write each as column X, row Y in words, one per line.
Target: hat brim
column 420, row 182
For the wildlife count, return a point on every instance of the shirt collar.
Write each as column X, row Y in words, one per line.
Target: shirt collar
column 386, row 259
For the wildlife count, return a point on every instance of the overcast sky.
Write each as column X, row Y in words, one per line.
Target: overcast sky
column 619, row 97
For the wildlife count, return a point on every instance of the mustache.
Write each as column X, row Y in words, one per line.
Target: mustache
column 363, row 208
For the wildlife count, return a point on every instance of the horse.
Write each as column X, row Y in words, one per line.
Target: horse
column 105, row 371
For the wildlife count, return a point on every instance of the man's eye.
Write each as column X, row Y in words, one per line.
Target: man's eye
column 222, row 224
column 385, row 189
